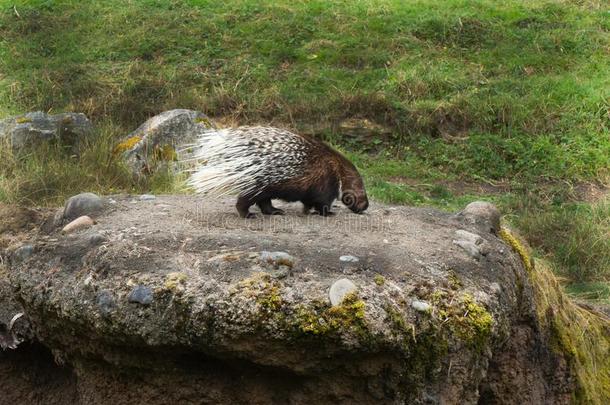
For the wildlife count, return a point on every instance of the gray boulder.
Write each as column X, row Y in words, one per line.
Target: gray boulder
column 82, row 204
column 154, row 143
column 175, row 305
column 35, row 128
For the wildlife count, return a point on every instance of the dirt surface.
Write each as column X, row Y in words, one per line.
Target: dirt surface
column 178, row 300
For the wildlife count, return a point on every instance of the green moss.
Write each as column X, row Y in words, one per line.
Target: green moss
column 319, row 319
column 518, row 247
column 423, row 348
column 474, row 326
column 309, row 322
column 175, row 282
column 467, row 320
column 270, row 300
column 266, row 294
column 206, row 122
column 398, row 325
column 347, row 315
column 379, row 279
column 454, row 281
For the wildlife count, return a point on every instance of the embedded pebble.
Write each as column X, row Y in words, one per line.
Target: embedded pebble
column 24, row 252
column 421, row 306
column 141, row 294
column 105, row 301
column 339, row 290
column 79, row 223
column 469, row 236
column 349, row 259
column 82, row 204
column 277, row 258
column 146, row 197
column 97, row 239
column 469, row 247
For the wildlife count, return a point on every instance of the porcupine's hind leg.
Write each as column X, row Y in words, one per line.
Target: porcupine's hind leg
column 243, row 207
column 306, row 208
column 267, row 208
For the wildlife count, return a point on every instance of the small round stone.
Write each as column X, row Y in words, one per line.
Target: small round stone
column 105, row 301
column 349, row 259
column 482, row 212
column 24, row 252
column 97, row 239
column 421, row 306
column 277, row 258
column 340, row 289
column 141, row 294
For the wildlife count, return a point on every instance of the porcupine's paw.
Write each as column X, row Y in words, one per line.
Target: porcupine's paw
column 250, row 215
column 324, row 213
column 277, row 211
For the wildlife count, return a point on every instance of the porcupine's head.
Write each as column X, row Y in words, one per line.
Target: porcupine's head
column 353, row 194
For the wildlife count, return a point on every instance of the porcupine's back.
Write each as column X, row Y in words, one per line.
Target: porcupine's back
column 245, row 160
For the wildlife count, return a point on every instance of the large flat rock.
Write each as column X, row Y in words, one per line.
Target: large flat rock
column 183, row 293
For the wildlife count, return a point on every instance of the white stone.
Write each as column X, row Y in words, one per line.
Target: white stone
column 79, row 223
column 421, row 306
column 349, row 259
column 340, row 289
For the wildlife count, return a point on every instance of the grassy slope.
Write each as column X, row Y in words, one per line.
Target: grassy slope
column 513, row 93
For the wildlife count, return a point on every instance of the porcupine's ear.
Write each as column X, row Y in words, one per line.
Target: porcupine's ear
column 348, row 198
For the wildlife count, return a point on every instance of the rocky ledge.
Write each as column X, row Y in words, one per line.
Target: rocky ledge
column 177, row 300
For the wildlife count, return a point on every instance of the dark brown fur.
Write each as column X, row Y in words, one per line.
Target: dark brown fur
column 317, row 188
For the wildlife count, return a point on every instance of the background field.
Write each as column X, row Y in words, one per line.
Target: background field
column 502, row 101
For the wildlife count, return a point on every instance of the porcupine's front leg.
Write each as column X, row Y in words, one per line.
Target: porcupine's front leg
column 324, row 209
column 267, row 208
column 243, row 207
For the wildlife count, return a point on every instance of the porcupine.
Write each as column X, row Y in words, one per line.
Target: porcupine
column 263, row 163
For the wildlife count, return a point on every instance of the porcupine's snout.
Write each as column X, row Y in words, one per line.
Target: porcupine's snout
column 357, row 202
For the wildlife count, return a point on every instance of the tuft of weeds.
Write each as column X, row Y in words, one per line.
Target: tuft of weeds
column 50, row 173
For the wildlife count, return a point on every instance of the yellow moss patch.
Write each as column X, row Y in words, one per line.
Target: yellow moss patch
column 454, row 281
column 583, row 336
column 22, row 120
column 204, row 121
column 175, row 281
column 379, row 279
column 518, row 247
column 127, row 144
column 264, row 290
column 467, row 320
column 349, row 316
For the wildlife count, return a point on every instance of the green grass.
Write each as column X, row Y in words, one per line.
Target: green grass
column 591, row 291
column 503, row 101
